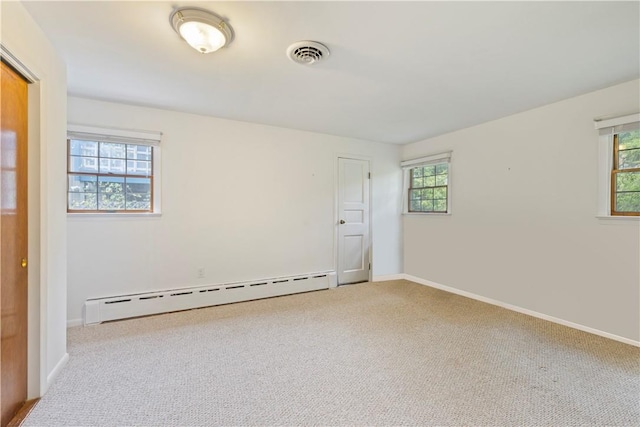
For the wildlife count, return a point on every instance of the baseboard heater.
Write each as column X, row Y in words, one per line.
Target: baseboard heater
column 99, row 310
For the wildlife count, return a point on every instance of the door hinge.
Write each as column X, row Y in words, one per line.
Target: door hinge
column 369, row 266
column 369, row 175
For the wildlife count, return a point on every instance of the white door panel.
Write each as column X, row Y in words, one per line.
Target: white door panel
column 353, row 250
column 353, row 221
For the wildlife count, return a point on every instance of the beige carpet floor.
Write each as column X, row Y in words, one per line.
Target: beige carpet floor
column 390, row 353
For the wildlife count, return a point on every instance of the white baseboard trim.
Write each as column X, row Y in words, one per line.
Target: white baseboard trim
column 72, row 323
column 521, row 310
column 56, row 371
column 333, row 280
column 388, row 277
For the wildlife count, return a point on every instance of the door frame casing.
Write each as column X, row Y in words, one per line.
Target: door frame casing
column 336, row 211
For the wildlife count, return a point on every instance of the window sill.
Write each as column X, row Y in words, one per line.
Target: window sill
column 113, row 215
column 426, row 214
column 618, row 218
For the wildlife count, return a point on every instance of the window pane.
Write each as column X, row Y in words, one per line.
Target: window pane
column 110, row 184
column 83, row 148
column 430, row 181
column 627, row 181
column 414, row 194
column 416, row 172
column 440, row 193
column 628, row 202
column 627, row 140
column 139, row 167
column 441, row 179
column 426, row 205
column 115, row 166
column 83, row 201
column 628, row 159
column 138, row 152
column 429, row 170
column 110, row 149
column 139, row 185
column 82, row 183
column 427, row 193
column 442, row 168
column 417, row 182
column 138, row 201
column 138, row 194
column 440, row 205
column 83, row 164
column 111, row 193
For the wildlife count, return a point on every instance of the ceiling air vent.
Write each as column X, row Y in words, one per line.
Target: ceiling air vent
column 307, row 52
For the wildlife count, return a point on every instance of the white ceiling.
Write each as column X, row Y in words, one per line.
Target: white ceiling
column 398, row 71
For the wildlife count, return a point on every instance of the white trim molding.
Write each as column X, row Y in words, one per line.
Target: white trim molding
column 18, row 65
column 444, row 157
column 619, row 219
column 388, row 277
column 56, row 371
column 616, row 121
column 407, row 165
column 126, row 136
column 521, row 310
column 72, row 323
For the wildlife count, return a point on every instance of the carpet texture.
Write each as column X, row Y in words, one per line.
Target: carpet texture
column 390, row 353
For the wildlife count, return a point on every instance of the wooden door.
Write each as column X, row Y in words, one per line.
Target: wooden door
column 13, row 249
column 353, row 222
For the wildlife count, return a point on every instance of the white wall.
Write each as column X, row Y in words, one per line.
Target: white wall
column 47, row 187
column 523, row 229
column 244, row 201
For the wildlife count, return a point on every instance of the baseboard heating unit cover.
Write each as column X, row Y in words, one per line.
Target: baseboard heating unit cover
column 99, row 310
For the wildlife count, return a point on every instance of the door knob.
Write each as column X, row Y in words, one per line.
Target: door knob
column 342, row 221
column 23, row 263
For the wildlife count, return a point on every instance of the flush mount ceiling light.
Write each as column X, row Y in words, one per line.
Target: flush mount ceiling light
column 203, row 30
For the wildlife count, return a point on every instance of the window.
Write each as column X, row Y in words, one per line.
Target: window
column 111, row 173
column 427, row 186
column 619, row 167
column 625, row 175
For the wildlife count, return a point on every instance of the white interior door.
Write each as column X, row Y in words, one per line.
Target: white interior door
column 353, row 221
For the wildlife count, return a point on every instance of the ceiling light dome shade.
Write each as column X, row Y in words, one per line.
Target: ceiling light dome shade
column 203, row 30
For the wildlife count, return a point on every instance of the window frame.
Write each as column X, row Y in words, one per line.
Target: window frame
column 446, row 187
column 409, row 165
column 111, row 175
column 615, row 170
column 607, row 128
column 117, row 136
